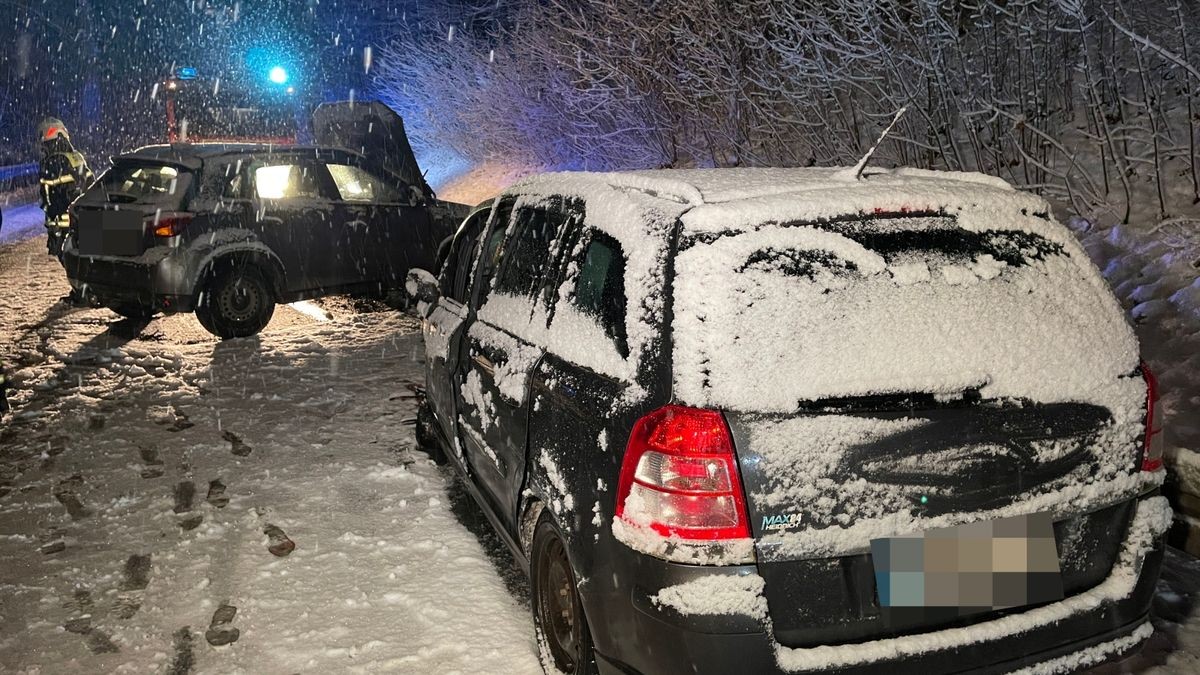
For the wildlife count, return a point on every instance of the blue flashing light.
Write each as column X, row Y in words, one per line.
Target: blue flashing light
column 278, row 75
column 186, row 73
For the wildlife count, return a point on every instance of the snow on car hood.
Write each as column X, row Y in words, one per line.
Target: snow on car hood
column 771, row 317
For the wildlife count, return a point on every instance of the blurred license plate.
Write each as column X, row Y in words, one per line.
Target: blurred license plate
column 978, row 567
column 118, row 233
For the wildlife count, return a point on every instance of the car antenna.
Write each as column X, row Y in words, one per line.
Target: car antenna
column 857, row 170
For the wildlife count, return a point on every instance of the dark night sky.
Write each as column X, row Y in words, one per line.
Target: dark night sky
column 94, row 63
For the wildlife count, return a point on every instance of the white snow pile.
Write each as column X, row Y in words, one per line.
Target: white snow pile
column 716, row 594
column 1152, row 519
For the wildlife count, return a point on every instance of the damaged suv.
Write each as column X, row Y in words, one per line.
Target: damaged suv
column 229, row 230
column 789, row 420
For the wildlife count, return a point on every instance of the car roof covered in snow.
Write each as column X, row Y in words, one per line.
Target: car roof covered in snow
column 193, row 155
column 743, row 198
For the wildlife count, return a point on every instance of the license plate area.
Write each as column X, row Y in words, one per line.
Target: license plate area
column 968, row 569
column 116, row 233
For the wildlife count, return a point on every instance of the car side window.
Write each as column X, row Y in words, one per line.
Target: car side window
column 456, row 273
column 286, row 181
column 600, row 286
column 527, row 253
column 355, row 184
column 489, row 256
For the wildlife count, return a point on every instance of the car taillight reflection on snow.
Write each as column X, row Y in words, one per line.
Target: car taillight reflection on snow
column 680, row 476
column 1152, row 450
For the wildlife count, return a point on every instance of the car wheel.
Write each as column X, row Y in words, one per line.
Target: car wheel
column 133, row 311
column 564, row 639
column 236, row 302
column 427, row 436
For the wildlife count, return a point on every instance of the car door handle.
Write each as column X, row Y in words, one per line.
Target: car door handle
column 272, row 220
column 484, row 363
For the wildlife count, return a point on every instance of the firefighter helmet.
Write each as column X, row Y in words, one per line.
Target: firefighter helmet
column 52, row 128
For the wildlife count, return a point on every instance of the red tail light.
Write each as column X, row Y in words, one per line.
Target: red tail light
column 1152, row 446
column 680, row 476
column 172, row 225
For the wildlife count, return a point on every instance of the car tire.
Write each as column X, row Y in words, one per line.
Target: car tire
column 236, row 301
column 563, row 637
column 134, row 311
column 427, row 435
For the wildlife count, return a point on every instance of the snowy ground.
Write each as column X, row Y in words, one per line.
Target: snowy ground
column 21, row 221
column 118, row 550
column 118, row 437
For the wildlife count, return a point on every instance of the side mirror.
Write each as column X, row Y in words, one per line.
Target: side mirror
column 422, row 286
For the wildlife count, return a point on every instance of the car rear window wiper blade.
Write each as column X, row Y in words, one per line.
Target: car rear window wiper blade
column 894, row 402
column 121, row 197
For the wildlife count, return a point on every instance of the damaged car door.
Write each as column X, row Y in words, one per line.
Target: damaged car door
column 443, row 327
column 503, row 349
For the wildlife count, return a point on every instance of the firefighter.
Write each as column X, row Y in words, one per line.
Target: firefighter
column 64, row 175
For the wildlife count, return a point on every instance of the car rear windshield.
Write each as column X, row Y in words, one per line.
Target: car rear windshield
column 789, row 313
column 144, row 183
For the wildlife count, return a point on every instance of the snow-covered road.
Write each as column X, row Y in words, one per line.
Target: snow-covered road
column 142, row 468
column 145, row 462
column 20, row 221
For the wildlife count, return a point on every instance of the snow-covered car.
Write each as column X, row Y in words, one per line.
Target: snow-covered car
column 788, row 420
column 229, row 230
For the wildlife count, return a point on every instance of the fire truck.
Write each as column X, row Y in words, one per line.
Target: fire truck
column 202, row 109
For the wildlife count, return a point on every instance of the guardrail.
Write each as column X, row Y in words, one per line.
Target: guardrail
column 15, row 171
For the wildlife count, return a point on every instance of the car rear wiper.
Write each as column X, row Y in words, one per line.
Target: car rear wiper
column 894, row 402
column 121, row 197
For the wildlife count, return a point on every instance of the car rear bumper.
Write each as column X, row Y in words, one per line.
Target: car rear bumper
column 1084, row 628
column 158, row 281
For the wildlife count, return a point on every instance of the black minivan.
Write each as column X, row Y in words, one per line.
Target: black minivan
column 787, row 420
column 229, row 230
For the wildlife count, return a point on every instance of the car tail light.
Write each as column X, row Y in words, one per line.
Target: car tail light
column 680, row 476
column 1152, row 446
column 172, row 225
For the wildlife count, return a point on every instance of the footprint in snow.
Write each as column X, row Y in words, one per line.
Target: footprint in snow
column 278, row 542
column 183, row 659
column 216, row 494
column 97, row 642
column 66, row 495
column 184, row 493
column 219, row 631
column 134, row 579
column 150, row 458
column 239, row 446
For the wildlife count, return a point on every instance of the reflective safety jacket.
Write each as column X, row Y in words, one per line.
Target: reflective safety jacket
column 63, row 177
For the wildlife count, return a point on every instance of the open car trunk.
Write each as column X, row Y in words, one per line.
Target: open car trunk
column 373, row 129
column 884, row 376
